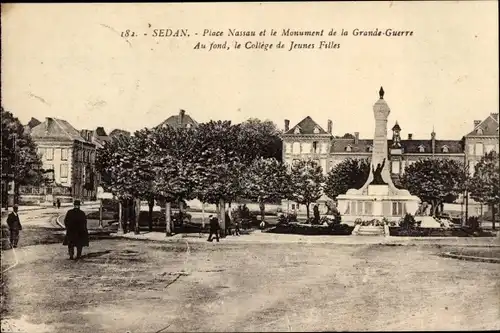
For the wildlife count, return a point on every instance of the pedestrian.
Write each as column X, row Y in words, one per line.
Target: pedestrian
column 228, row 224
column 14, row 226
column 214, row 228
column 58, row 203
column 316, row 214
column 77, row 234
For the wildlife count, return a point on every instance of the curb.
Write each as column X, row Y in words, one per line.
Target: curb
column 59, row 223
column 470, row 258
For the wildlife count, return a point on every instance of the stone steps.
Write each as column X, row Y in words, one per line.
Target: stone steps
column 370, row 231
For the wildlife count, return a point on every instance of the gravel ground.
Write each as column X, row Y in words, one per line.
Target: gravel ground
column 135, row 286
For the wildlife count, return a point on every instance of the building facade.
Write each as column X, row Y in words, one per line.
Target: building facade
column 481, row 140
column 69, row 159
column 307, row 140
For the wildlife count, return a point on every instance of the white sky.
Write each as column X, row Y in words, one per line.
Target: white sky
column 68, row 61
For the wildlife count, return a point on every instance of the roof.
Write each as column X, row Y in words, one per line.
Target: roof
column 99, row 131
column 58, row 129
column 409, row 146
column 175, row 121
column 33, row 123
column 117, row 132
column 488, row 127
column 307, row 126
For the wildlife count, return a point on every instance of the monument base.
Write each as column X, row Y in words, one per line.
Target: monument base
column 376, row 202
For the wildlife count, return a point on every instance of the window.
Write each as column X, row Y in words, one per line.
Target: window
column 489, row 148
column 306, row 148
column 188, row 125
column 479, row 131
column 315, row 147
column 297, row 130
column 324, row 148
column 41, row 151
column 479, row 149
column 316, row 130
column 50, row 154
column 288, row 147
column 64, row 171
column 472, row 166
column 64, row 154
column 421, row 149
column 296, row 147
column 348, row 148
column 471, row 149
column 445, row 149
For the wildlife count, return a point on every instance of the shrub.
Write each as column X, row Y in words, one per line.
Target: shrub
column 287, row 218
column 408, row 222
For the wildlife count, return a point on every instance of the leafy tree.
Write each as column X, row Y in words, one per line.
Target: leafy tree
column 175, row 178
column 485, row 184
column 219, row 161
column 20, row 160
column 266, row 180
column 306, row 183
column 435, row 180
column 350, row 173
column 261, row 139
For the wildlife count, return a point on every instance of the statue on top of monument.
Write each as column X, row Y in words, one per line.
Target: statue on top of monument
column 377, row 174
column 381, row 93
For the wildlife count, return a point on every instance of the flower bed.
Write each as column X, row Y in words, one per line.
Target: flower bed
column 308, row 229
column 438, row 232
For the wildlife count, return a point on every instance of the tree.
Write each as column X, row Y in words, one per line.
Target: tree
column 20, row 160
column 266, row 180
column 261, row 139
column 219, row 159
column 350, row 173
column 174, row 168
column 485, row 184
column 435, row 180
column 306, row 183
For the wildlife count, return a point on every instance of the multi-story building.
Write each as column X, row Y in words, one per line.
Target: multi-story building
column 481, row 140
column 71, row 158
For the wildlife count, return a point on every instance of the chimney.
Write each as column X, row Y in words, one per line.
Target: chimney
column 287, row 125
column 410, row 136
column 356, row 138
column 330, row 126
column 476, row 123
column 495, row 116
column 48, row 123
column 181, row 116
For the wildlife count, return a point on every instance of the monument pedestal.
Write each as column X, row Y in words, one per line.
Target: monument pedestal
column 377, row 202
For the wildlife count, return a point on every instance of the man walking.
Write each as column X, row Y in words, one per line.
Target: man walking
column 14, row 227
column 77, row 234
column 214, row 228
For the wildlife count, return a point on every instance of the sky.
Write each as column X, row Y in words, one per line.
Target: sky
column 69, row 61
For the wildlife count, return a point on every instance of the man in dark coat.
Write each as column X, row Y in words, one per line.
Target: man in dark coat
column 77, row 234
column 14, row 227
column 214, row 228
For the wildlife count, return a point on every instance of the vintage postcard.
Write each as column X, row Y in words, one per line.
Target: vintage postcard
column 260, row 167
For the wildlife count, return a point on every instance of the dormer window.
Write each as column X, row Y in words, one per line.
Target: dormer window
column 348, row 148
column 316, row 130
column 421, row 148
column 479, row 131
column 188, row 125
column 370, row 148
column 445, row 149
column 297, row 130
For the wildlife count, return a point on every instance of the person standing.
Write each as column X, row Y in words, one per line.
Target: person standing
column 15, row 226
column 214, row 228
column 316, row 214
column 58, row 203
column 77, row 234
